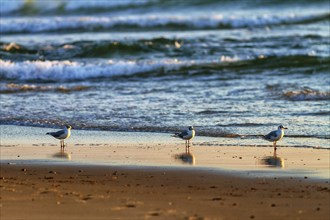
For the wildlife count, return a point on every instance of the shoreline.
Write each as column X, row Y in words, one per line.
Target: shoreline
column 161, row 150
column 118, row 175
column 245, row 140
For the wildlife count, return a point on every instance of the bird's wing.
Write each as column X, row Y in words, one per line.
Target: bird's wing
column 183, row 133
column 57, row 133
column 271, row 134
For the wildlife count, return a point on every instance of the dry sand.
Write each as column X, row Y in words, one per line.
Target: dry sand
column 152, row 177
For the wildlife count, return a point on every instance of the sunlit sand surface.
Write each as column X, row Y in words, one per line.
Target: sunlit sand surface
column 150, row 175
column 161, row 150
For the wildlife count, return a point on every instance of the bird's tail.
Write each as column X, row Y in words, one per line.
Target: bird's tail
column 48, row 133
column 175, row 135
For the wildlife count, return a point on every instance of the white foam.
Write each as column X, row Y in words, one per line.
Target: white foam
column 70, row 70
column 42, row 24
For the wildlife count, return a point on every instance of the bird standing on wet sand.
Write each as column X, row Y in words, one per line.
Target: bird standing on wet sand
column 186, row 135
column 62, row 134
column 275, row 136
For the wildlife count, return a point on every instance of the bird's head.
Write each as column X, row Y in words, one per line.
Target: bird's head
column 68, row 127
column 191, row 128
column 281, row 127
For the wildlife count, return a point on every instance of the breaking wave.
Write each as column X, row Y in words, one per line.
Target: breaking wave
column 79, row 70
column 56, row 7
column 150, row 21
column 74, row 70
column 161, row 46
column 89, row 49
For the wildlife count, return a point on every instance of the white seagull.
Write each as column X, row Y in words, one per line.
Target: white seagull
column 61, row 134
column 275, row 136
column 186, row 135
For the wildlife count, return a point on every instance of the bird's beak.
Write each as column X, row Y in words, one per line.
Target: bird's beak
column 285, row 128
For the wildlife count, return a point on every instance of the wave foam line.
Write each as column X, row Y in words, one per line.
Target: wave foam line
column 88, row 23
column 70, row 70
column 78, row 70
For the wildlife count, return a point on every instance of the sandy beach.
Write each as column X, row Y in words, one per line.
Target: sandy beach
column 127, row 75
column 103, row 192
column 153, row 177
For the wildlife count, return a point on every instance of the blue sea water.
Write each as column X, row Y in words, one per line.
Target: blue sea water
column 234, row 69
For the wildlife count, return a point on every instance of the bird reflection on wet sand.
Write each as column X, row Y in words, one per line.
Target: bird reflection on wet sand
column 185, row 158
column 272, row 161
column 62, row 155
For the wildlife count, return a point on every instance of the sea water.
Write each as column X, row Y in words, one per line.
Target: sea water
column 233, row 69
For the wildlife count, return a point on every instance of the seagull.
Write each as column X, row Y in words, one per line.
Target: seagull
column 186, row 135
column 62, row 134
column 275, row 136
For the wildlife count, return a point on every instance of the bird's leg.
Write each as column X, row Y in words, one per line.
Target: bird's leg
column 274, row 144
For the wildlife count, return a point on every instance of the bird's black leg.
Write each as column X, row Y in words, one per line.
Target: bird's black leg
column 274, row 145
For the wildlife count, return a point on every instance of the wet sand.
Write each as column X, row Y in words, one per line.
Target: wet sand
column 151, row 176
column 106, row 192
